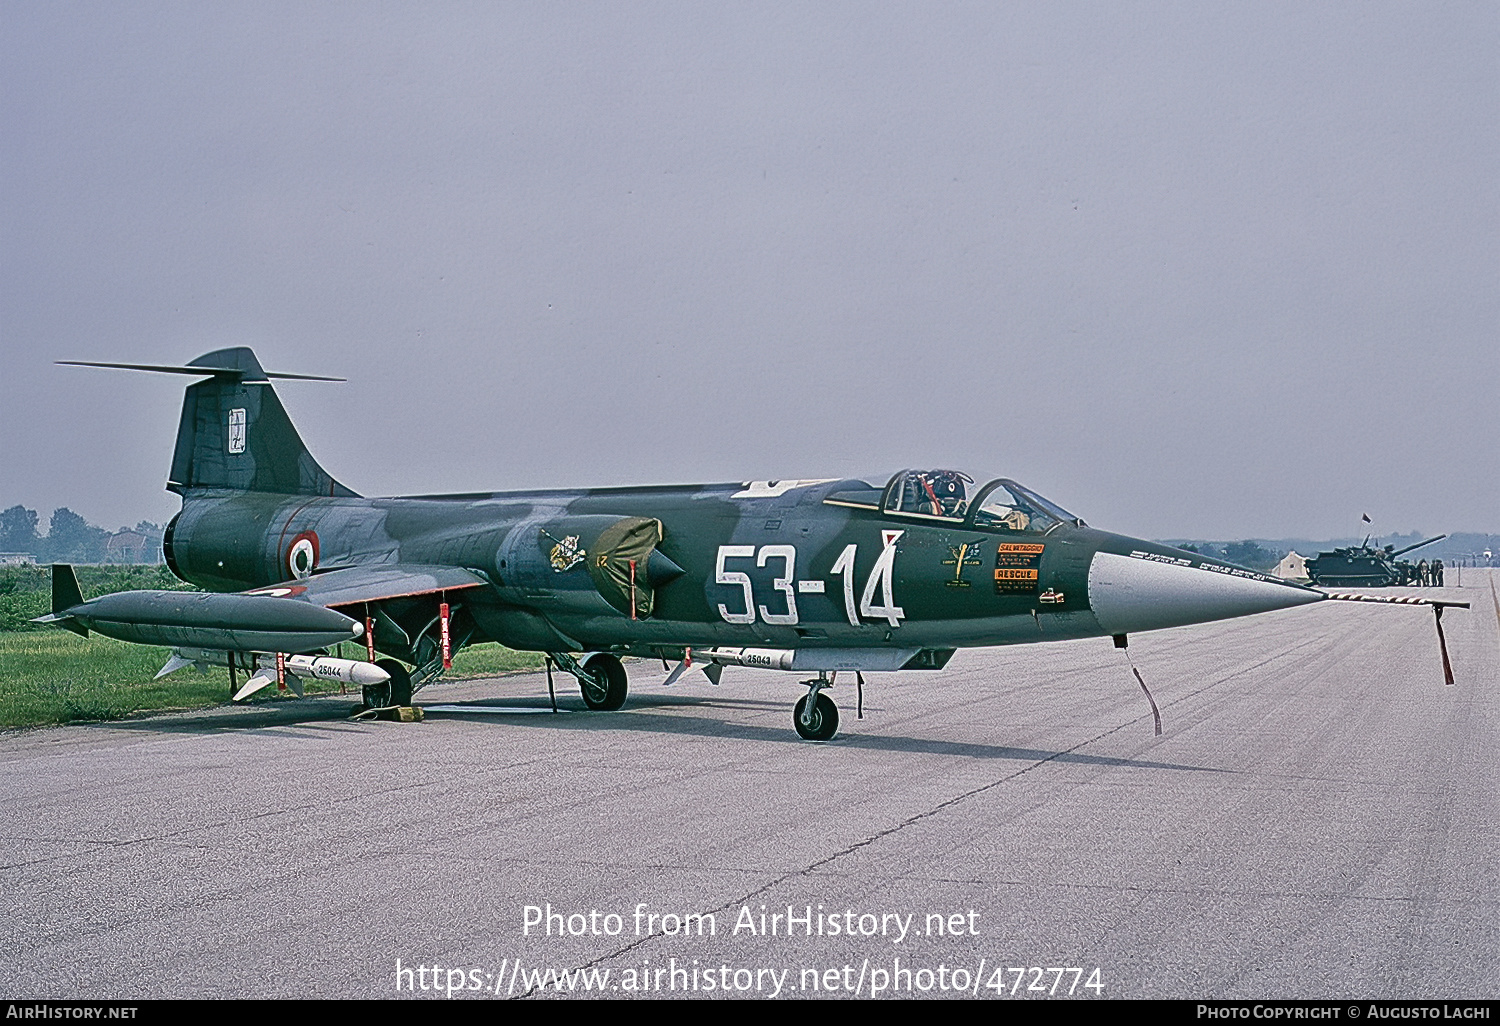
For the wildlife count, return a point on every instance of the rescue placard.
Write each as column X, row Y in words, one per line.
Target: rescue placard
column 1016, row 567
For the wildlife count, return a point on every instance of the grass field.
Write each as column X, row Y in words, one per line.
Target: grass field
column 51, row 676
column 56, row 677
column 26, row 591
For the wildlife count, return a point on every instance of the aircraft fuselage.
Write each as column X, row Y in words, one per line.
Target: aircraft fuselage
column 789, row 565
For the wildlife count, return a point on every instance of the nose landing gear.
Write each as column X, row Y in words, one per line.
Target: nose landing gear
column 816, row 717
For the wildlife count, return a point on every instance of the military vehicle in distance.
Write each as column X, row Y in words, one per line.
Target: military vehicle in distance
column 1362, row 566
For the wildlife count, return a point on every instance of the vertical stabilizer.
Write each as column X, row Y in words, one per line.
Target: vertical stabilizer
column 236, row 434
column 234, row 431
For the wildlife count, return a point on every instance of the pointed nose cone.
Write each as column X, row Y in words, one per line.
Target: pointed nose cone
column 1128, row 593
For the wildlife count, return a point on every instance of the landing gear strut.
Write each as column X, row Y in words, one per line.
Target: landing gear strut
column 816, row 717
column 601, row 679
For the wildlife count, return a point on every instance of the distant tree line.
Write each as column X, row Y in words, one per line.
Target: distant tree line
column 1241, row 553
column 69, row 538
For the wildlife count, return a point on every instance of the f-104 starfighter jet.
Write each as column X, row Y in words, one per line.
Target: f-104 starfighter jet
column 880, row 573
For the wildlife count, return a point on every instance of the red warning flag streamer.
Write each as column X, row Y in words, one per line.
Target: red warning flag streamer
column 447, row 637
column 280, row 671
column 369, row 633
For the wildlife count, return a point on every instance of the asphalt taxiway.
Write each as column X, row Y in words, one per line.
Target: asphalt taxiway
column 1320, row 819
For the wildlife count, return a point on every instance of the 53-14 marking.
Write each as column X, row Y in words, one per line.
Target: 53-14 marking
column 877, row 600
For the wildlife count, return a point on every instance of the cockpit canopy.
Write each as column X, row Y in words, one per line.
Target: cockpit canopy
column 1006, row 506
column 932, row 493
column 951, row 495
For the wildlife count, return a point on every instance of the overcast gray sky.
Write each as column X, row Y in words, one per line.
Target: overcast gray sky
column 1209, row 270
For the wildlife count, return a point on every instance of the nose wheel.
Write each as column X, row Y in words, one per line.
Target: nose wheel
column 816, row 717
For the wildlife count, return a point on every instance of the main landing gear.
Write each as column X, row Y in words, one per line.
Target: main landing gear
column 601, row 679
column 816, row 717
column 396, row 691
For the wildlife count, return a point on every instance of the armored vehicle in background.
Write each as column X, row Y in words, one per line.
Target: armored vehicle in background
column 1362, row 566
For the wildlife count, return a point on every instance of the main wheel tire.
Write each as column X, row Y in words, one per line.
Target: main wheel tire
column 376, row 696
column 400, row 682
column 822, row 724
column 608, row 685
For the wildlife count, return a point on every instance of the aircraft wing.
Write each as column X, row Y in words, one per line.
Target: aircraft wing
column 358, row 585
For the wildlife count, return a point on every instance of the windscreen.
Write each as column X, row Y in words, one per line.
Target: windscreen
column 1006, row 506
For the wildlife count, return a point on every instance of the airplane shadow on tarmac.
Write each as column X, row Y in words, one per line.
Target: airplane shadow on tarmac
column 332, row 711
column 512, row 713
column 639, row 717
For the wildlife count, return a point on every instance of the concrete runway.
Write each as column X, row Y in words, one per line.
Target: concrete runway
column 1321, row 819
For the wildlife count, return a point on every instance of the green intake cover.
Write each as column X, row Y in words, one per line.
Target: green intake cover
column 626, row 540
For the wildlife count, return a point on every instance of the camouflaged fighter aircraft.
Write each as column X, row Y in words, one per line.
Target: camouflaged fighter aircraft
column 861, row 574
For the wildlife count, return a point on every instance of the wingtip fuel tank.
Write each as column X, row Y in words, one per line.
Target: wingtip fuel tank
column 200, row 620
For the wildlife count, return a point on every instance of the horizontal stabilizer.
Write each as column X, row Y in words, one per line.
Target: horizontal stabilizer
column 218, row 372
